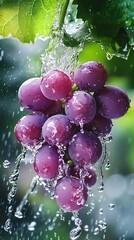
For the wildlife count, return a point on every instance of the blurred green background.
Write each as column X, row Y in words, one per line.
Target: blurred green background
column 18, row 62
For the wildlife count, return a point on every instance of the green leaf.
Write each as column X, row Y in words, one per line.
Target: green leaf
column 27, row 19
column 111, row 23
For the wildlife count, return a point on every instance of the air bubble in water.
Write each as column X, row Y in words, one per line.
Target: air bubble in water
column 6, row 164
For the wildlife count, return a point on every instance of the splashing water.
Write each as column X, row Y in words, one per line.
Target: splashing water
column 104, row 160
column 76, row 232
column 24, row 201
column 68, row 63
column 11, row 195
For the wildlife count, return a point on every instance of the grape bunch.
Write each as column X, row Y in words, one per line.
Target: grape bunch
column 70, row 116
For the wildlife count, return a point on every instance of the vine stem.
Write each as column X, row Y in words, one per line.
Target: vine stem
column 63, row 13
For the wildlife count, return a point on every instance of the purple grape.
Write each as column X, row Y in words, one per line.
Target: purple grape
column 31, row 97
column 90, row 76
column 85, row 149
column 100, row 125
column 80, row 107
column 56, row 85
column 88, row 174
column 70, row 194
column 57, row 130
column 46, row 162
column 29, row 128
column 90, row 177
column 112, row 102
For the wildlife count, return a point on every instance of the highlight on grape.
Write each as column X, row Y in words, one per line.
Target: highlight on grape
column 69, row 117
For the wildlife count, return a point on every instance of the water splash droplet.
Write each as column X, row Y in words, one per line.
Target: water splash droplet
column 31, row 226
column 101, row 211
column 21, row 109
column 86, row 228
column 75, row 233
column 101, row 188
column 18, row 214
column 8, row 225
column 109, row 56
column 6, row 164
column 102, row 224
column 96, row 231
column 107, row 165
column 111, row 206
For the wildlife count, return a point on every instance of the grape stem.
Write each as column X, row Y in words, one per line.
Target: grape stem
column 63, row 13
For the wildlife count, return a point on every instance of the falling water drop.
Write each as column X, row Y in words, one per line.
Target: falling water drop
column 6, row 164
column 101, row 211
column 107, row 165
column 75, row 233
column 31, row 226
column 102, row 224
column 8, row 225
column 86, row 228
column 96, row 231
column 18, row 214
column 111, row 206
column 109, row 56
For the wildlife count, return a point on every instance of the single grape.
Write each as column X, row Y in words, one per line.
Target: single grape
column 55, row 85
column 85, row 148
column 70, row 194
column 29, row 128
column 88, row 174
column 100, row 125
column 46, row 162
column 57, row 130
column 31, row 97
column 90, row 76
column 80, row 107
column 112, row 102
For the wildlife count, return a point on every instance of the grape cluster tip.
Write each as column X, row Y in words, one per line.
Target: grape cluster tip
column 69, row 117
